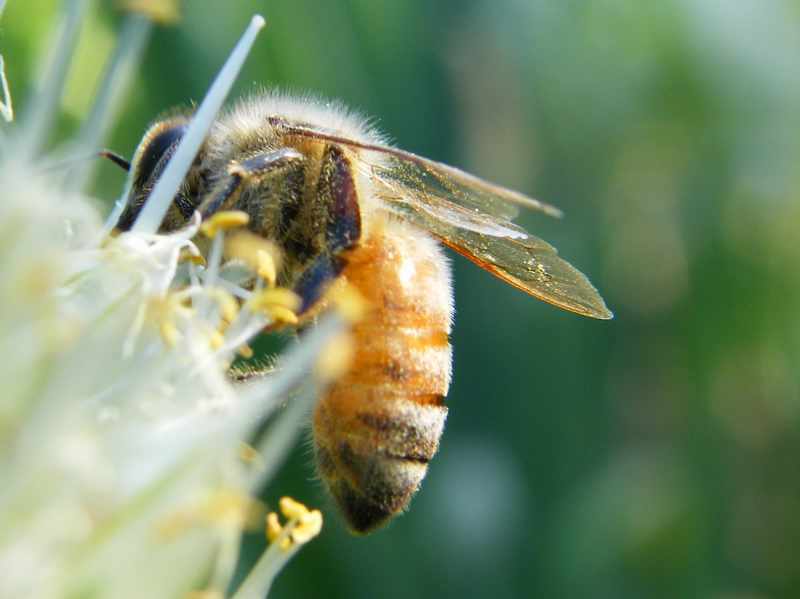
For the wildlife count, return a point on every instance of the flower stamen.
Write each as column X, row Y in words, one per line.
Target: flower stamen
column 223, row 221
column 302, row 526
column 259, row 254
column 278, row 303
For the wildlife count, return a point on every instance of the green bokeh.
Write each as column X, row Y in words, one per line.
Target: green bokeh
column 651, row 456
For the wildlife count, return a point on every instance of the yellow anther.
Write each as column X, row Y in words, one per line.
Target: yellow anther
column 335, row 358
column 164, row 312
column 260, row 255
column 348, row 301
column 249, row 454
column 302, row 526
column 228, row 306
column 245, row 351
column 266, row 267
column 190, row 256
column 169, row 333
column 307, row 528
column 164, row 12
column 216, row 339
column 278, row 303
column 274, row 528
column 281, row 315
column 279, row 296
column 227, row 219
column 292, row 509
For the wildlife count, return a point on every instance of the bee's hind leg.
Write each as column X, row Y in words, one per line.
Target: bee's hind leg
column 315, row 279
column 341, row 217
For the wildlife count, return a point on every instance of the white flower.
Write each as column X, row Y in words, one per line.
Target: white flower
column 120, row 430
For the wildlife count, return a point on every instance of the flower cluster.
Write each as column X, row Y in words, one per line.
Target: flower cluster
column 121, row 426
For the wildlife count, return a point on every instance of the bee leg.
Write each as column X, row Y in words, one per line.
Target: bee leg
column 250, row 371
column 316, row 278
column 248, row 172
column 337, row 190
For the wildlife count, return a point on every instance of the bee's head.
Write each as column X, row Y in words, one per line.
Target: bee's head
column 149, row 161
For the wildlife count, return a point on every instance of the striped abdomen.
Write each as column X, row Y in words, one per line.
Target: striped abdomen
column 376, row 429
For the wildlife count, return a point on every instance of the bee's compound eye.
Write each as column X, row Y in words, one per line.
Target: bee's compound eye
column 161, row 138
column 149, row 160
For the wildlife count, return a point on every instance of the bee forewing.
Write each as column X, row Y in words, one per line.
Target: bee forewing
column 522, row 260
column 468, row 216
column 432, row 181
column 472, row 217
column 428, row 178
column 533, row 266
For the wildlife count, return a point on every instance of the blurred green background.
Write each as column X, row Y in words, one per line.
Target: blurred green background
column 655, row 455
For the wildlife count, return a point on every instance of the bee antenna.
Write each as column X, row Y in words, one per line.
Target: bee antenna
column 115, row 158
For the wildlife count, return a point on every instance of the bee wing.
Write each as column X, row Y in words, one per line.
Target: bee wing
column 473, row 217
column 508, row 252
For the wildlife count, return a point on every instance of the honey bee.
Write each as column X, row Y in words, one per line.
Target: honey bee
column 341, row 202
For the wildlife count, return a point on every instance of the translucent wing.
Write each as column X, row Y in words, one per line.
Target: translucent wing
column 473, row 218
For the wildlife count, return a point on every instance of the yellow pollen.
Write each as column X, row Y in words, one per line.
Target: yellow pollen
column 228, row 306
column 279, row 296
column 216, row 339
column 292, row 509
column 245, row 351
column 307, row 528
column 279, row 303
column 266, row 269
column 260, row 255
column 227, row 219
column 165, row 311
column 302, row 526
column 249, row 454
column 281, row 315
column 274, row 528
column 164, row 12
column 190, row 256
